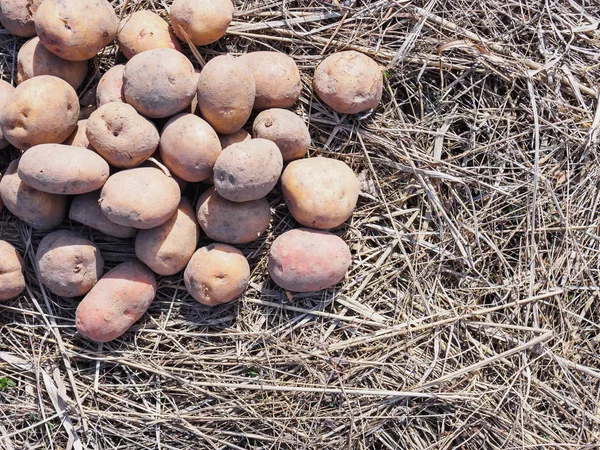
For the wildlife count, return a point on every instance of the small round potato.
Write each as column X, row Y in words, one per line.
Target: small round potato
column 110, row 86
column 239, row 136
column 76, row 29
column 12, row 282
column 277, row 79
column 305, row 260
column 5, row 92
column 41, row 110
column 34, row 60
column 142, row 198
column 232, row 222
column 159, row 83
column 85, row 209
column 116, row 302
column 40, row 210
column 286, row 129
column 202, row 21
column 189, row 147
column 349, row 82
column 320, row 192
column 145, row 30
column 79, row 138
column 17, row 16
column 121, row 136
column 248, row 170
column 69, row 264
column 168, row 248
column 226, row 93
column 216, row 274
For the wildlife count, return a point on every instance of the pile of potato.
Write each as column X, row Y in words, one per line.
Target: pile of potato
column 116, row 172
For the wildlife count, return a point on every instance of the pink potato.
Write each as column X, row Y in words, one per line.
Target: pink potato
column 116, row 302
column 17, row 16
column 78, row 137
column 202, row 21
column 85, row 209
column 239, row 136
column 12, row 282
column 145, row 30
column 305, row 260
column 5, row 91
column 284, row 128
column 110, row 86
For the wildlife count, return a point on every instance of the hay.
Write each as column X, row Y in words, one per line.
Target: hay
column 469, row 317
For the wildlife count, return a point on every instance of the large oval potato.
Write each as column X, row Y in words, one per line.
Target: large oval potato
column 110, row 86
column 69, row 265
column 62, row 169
column 349, row 82
column 277, row 79
column 12, row 282
column 202, row 21
column 78, row 137
column 189, row 147
column 239, row 136
column 216, row 274
column 286, row 129
column 116, row 302
column 5, row 92
column 145, row 30
column 320, row 192
column 75, row 29
column 40, row 210
column 26, row 122
column 232, row 222
column 142, row 198
column 17, row 16
column 168, row 248
column 248, row 170
column 85, row 209
column 159, row 83
column 226, row 93
column 121, row 136
column 305, row 260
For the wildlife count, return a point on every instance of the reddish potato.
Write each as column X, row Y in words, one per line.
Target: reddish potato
column 12, row 282
column 85, row 209
column 145, row 30
column 234, row 138
column 116, row 302
column 305, row 260
column 217, row 274
column 110, row 86
column 202, row 21
column 17, row 16
column 286, row 129
column 79, row 138
column 5, row 92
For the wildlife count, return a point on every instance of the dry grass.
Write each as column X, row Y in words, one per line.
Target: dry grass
column 469, row 318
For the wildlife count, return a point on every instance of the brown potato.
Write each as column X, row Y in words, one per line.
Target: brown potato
column 226, row 93
column 305, row 260
column 286, row 129
column 76, row 29
column 17, row 16
column 142, row 198
column 277, row 79
column 62, row 169
column 349, row 82
column 189, row 147
column 232, row 222
column 116, row 302
column 156, row 89
column 78, row 137
column 34, row 60
column 320, row 192
column 69, row 265
column 216, row 274
column 5, row 92
column 26, row 122
column 40, row 210
column 202, row 21
column 110, row 86
column 248, row 170
column 239, row 136
column 145, row 30
column 12, row 282
column 85, row 209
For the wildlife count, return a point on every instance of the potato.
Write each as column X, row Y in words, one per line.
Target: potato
column 5, row 91
column 85, row 209
column 305, row 260
column 1, row 202
column 189, row 147
column 62, row 169
column 349, row 82
column 69, row 265
column 34, row 60
column 226, row 93
column 41, row 110
column 167, row 248
column 248, row 170
column 110, row 86
column 116, row 302
column 76, row 29
column 159, row 83
column 232, row 222
column 239, row 136
column 320, row 192
column 277, row 79
column 78, row 137
column 145, row 30
column 40, row 210
column 286, row 129
column 216, row 274
column 121, row 136
column 17, row 16
column 142, row 198
column 12, row 282
column 202, row 21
